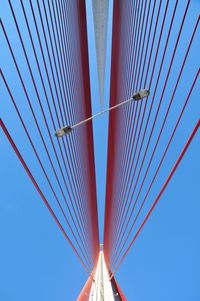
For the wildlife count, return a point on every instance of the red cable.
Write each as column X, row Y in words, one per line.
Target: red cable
column 71, row 154
column 67, row 140
column 44, row 119
column 40, row 192
column 39, row 160
column 125, row 118
column 160, row 193
column 122, row 211
column 126, row 143
column 167, row 77
column 161, row 161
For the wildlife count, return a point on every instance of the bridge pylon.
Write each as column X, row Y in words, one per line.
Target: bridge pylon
column 101, row 288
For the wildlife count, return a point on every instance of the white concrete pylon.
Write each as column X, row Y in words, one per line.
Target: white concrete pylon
column 100, row 15
column 102, row 288
column 99, row 286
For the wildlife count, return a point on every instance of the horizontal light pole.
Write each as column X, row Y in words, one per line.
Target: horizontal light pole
column 136, row 96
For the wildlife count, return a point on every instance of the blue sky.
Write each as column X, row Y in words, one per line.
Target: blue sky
column 35, row 261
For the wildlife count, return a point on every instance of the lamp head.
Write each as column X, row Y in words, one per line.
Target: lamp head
column 63, row 131
column 141, row 94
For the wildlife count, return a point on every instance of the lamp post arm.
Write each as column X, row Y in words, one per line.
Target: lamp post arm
column 136, row 96
column 102, row 112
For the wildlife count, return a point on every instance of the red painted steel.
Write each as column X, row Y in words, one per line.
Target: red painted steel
column 40, row 191
column 61, row 32
column 161, row 192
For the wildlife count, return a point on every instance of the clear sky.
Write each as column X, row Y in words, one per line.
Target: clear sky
column 36, row 263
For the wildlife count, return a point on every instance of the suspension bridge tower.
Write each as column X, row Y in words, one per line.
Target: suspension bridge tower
column 101, row 287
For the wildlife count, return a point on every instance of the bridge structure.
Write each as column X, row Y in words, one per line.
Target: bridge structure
column 151, row 48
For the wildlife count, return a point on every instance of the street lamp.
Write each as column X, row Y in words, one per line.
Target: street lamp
column 136, row 96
